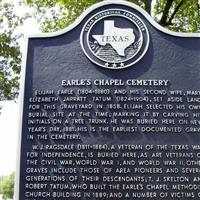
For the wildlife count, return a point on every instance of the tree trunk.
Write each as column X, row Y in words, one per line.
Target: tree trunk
column 175, row 11
column 163, row 20
column 147, row 4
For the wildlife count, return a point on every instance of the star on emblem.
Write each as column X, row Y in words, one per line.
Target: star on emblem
column 121, row 64
column 106, row 64
column 114, row 65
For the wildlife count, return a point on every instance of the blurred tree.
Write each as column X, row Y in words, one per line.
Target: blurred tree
column 7, row 186
column 10, row 56
column 177, row 15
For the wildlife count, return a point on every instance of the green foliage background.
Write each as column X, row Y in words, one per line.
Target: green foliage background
column 10, row 56
column 177, row 15
column 7, row 186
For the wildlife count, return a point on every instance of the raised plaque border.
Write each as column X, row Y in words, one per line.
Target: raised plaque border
column 63, row 31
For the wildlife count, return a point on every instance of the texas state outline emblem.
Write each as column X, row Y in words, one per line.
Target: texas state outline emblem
column 114, row 39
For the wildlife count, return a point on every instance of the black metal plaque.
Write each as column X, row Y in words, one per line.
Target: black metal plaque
column 111, row 110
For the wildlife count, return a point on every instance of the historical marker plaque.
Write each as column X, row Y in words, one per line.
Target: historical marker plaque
column 111, row 110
